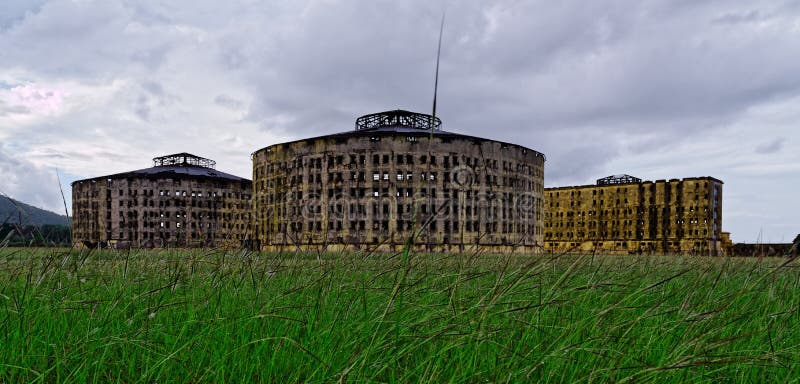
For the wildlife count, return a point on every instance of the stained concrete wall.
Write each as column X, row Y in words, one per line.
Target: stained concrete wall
column 161, row 212
column 365, row 191
column 675, row 216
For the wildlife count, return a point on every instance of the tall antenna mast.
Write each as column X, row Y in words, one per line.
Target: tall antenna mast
column 436, row 78
column 431, row 207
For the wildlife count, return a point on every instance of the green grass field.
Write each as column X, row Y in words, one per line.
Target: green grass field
column 206, row 316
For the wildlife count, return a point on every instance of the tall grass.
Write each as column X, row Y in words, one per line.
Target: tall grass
column 194, row 316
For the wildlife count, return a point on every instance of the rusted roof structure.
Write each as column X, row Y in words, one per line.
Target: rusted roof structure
column 398, row 118
column 184, row 159
column 176, row 166
column 618, row 179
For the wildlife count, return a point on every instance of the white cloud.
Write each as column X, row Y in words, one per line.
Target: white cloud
column 29, row 101
column 26, row 182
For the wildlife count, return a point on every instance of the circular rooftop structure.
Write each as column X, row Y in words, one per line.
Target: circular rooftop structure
column 183, row 160
column 398, row 118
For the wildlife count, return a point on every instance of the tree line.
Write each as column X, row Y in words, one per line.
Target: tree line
column 47, row 235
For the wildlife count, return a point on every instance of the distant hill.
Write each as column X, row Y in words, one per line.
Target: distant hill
column 11, row 211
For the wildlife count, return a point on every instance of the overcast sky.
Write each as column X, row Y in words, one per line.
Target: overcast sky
column 655, row 89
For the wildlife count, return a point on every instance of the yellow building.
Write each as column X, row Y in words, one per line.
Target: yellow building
column 623, row 214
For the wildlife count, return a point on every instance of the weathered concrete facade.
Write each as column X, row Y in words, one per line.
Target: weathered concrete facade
column 374, row 187
column 181, row 202
column 675, row 216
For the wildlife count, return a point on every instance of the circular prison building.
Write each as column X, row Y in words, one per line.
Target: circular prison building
column 182, row 201
column 398, row 178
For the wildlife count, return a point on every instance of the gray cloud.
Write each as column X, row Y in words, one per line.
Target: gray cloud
column 740, row 17
column 14, row 11
column 228, row 102
column 151, row 99
column 7, row 110
column 526, row 67
column 771, row 146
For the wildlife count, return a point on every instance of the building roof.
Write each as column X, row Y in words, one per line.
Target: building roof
column 705, row 178
column 179, row 170
column 176, row 166
column 392, row 123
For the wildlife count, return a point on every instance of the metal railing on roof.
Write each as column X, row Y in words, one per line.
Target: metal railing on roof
column 184, row 160
column 618, row 179
column 398, row 118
